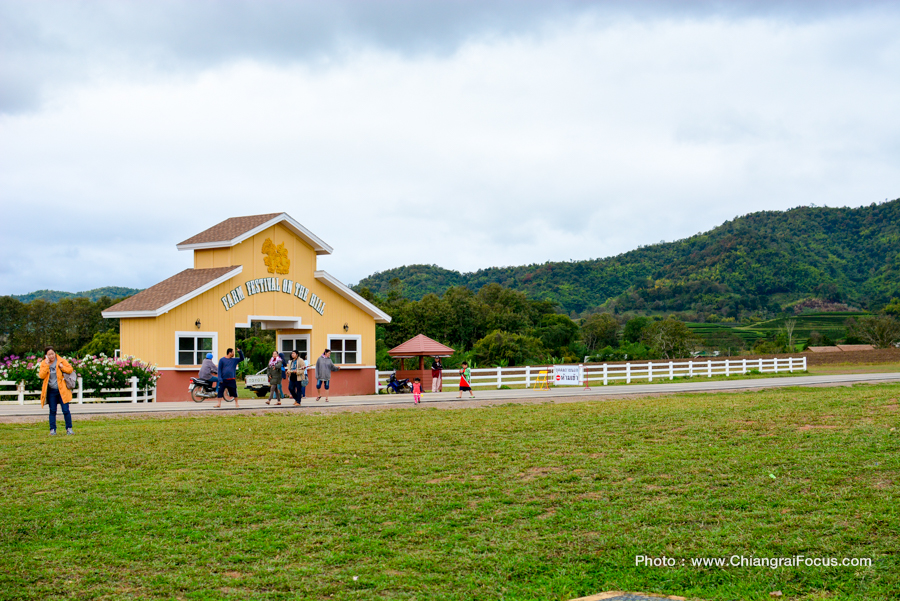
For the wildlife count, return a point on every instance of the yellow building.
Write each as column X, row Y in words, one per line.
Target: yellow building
column 258, row 268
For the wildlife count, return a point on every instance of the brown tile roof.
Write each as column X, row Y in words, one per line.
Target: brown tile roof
column 421, row 345
column 230, row 229
column 170, row 290
column 856, row 347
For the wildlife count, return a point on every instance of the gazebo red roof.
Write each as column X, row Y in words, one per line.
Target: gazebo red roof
column 421, row 346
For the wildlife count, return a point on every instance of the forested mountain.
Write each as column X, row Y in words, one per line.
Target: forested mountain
column 52, row 296
column 757, row 263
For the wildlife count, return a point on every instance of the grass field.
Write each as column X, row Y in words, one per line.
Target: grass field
column 548, row 501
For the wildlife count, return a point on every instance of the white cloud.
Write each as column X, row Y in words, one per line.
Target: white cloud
column 584, row 139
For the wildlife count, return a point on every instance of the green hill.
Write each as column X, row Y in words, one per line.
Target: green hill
column 756, row 263
column 96, row 294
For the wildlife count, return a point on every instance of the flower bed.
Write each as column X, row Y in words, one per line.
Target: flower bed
column 96, row 372
column 21, row 369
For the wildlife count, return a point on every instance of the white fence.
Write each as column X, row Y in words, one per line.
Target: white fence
column 79, row 395
column 596, row 374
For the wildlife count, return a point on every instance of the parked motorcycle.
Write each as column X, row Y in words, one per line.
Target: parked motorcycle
column 201, row 390
column 395, row 386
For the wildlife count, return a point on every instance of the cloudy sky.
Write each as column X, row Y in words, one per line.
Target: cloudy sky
column 465, row 134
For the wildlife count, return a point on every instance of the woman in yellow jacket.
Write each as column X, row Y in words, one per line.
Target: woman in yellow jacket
column 54, row 391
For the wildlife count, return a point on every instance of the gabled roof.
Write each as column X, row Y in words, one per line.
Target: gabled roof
column 333, row 283
column 235, row 230
column 168, row 294
column 421, row 345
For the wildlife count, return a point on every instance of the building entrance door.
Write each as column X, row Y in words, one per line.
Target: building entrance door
column 294, row 342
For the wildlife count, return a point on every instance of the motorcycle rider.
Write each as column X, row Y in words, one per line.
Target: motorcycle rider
column 208, row 370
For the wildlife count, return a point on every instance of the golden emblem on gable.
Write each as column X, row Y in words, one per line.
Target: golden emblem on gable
column 276, row 257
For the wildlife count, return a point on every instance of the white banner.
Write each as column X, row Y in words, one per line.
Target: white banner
column 567, row 375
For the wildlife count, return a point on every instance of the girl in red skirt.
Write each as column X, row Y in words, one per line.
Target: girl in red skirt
column 465, row 380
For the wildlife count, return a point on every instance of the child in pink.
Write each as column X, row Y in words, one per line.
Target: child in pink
column 417, row 391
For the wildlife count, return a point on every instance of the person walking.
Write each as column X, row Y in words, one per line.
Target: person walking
column 284, row 364
column 465, row 380
column 417, row 391
column 275, row 372
column 324, row 367
column 54, row 390
column 228, row 375
column 296, row 376
column 437, row 375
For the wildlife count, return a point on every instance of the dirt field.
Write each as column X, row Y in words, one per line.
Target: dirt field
column 841, row 358
column 854, row 357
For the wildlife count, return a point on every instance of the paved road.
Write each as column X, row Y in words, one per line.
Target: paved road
column 574, row 393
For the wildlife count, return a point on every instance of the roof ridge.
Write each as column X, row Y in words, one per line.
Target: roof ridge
column 235, row 230
column 172, row 291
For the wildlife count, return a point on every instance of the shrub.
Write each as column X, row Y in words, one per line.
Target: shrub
column 627, row 352
column 259, row 350
column 506, row 346
column 599, row 330
column 95, row 371
column 881, row 331
column 557, row 332
column 103, row 343
column 768, row 347
column 19, row 369
column 634, row 329
column 105, row 372
column 671, row 339
column 244, row 369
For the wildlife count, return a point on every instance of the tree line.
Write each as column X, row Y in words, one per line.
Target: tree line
column 74, row 326
column 500, row 326
column 491, row 327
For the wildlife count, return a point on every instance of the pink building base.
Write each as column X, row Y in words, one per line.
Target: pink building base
column 172, row 385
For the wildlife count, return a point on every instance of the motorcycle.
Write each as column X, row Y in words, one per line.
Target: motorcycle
column 395, row 386
column 201, row 390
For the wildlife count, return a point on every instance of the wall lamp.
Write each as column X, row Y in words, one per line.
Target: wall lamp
column 346, row 328
column 197, row 323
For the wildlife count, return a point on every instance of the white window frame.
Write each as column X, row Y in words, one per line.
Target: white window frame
column 356, row 337
column 280, row 337
column 195, row 335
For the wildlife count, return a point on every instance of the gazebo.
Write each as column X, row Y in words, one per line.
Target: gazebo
column 420, row 346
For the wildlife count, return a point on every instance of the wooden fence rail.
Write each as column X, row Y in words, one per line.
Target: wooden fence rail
column 606, row 373
column 80, row 394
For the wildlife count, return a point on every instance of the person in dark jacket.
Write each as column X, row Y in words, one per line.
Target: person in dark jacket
column 228, row 375
column 208, row 370
column 296, row 373
column 284, row 377
column 275, row 371
column 437, row 375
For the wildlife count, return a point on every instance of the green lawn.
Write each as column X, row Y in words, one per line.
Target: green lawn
column 507, row 502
